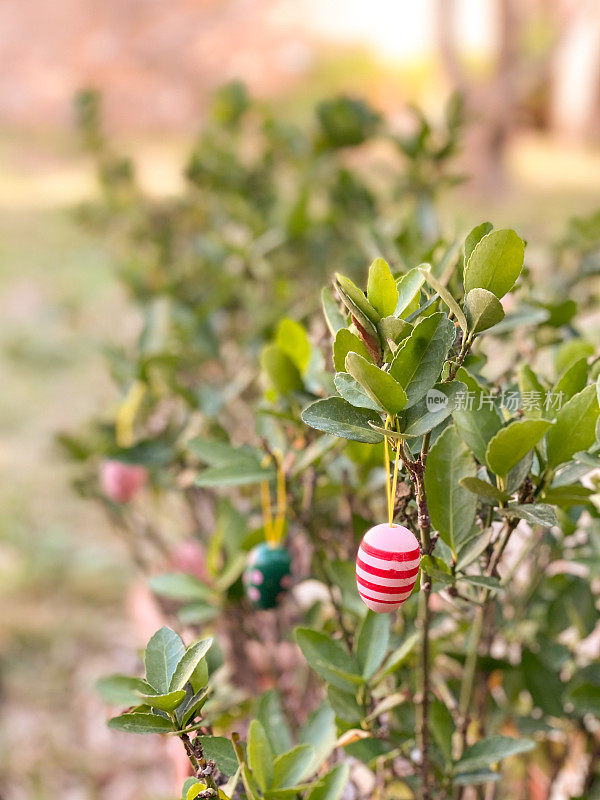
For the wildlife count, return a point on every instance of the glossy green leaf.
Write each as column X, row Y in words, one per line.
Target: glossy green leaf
column 447, row 298
column 495, row 263
column 334, row 415
column 164, row 702
column 483, row 310
column 333, row 316
column 345, row 705
column 382, row 293
column 347, row 342
column 484, row 489
column 380, row 386
column 442, row 727
column 331, row 786
column 270, row 713
column 240, row 474
column 394, row 329
column 437, row 405
column 291, row 768
column 291, row 338
column 351, row 390
column 372, row 642
column 220, row 750
column 260, row 756
column 141, row 722
column 179, row 586
column 320, row 731
column 356, row 302
column 409, row 287
column 575, row 427
column 120, row 690
column 329, row 659
column 513, row 442
column 474, row 237
column 478, row 419
column 163, row 652
column 491, row 750
column 533, row 394
column 283, row 374
column 572, row 380
column 534, row 513
column 398, row 656
column 418, row 361
column 451, row 506
column 188, row 663
column 542, row 683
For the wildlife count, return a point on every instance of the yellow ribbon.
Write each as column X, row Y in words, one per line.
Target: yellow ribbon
column 127, row 413
column 274, row 528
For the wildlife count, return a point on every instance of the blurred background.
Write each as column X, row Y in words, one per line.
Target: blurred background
column 529, row 71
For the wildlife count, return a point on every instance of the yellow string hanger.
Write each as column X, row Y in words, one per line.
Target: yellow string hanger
column 274, row 528
column 390, row 489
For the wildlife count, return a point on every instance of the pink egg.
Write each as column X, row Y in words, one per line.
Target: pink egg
column 120, row 482
column 387, row 565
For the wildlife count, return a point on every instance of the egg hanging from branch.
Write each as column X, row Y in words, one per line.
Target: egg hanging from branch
column 387, row 565
column 267, row 575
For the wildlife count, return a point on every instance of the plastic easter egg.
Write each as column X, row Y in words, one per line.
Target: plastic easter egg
column 120, row 481
column 386, row 566
column 267, row 575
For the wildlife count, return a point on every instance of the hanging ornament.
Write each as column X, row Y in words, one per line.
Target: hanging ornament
column 268, row 572
column 387, row 565
column 388, row 558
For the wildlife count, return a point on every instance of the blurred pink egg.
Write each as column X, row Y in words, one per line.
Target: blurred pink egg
column 188, row 557
column 120, row 482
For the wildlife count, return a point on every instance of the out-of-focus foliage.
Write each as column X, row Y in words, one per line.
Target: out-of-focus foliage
column 502, row 464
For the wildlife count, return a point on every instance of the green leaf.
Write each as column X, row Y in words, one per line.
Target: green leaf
column 533, row 394
column 141, row 722
column 292, row 340
column 394, row 329
column 372, row 642
column 451, row 506
column 476, row 422
column 542, row 683
column 293, row 767
column 419, row 360
column 188, row 663
column 483, row 310
column 585, row 698
column 164, row 702
column 513, row 442
column 334, row 415
column 568, row 495
column 572, row 380
column 491, row 750
column 484, row 489
column 240, row 474
column 485, row 582
column 329, row 659
column 333, row 316
column 534, row 513
column 260, row 756
column 347, row 342
column 331, row 786
column 575, row 427
column 447, row 298
column 345, row 705
column 474, row 237
column 163, row 652
column 409, row 287
column 270, row 714
column 120, row 690
column 476, row 778
column 356, row 302
column 571, row 351
column 495, row 263
column 398, row 656
column 382, row 293
column 283, row 374
column 437, row 405
column 320, row 731
column 379, row 385
column 179, row 586
column 220, row 750
column 442, row 727
column 351, row 390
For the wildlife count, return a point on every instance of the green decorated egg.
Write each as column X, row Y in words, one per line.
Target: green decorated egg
column 267, row 575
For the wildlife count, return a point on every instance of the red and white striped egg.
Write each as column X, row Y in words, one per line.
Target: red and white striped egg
column 387, row 565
